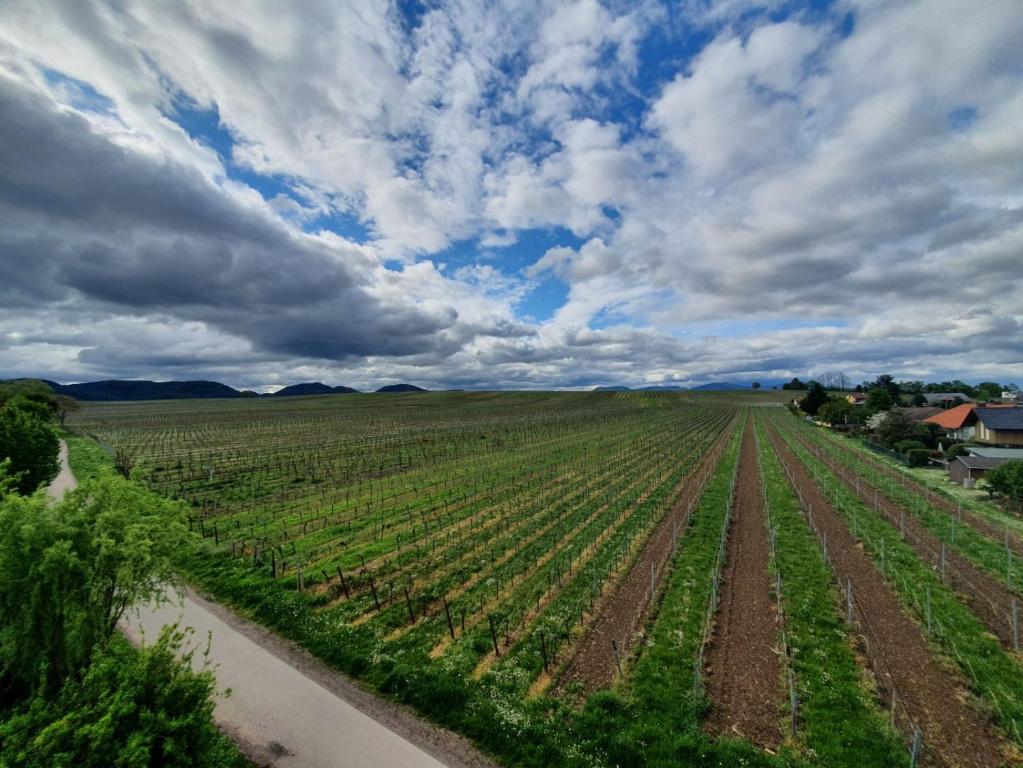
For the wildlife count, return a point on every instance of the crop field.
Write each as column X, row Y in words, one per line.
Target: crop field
column 603, row 578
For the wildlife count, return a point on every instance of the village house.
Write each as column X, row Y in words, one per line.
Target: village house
column 856, row 398
column 959, row 422
column 999, row 426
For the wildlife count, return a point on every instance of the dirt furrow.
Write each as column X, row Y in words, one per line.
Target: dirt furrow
column 987, row 598
column 977, row 521
column 927, row 693
column 742, row 662
column 624, row 611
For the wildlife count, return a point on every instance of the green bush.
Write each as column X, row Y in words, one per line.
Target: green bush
column 1007, row 479
column 958, row 449
column 905, row 446
column 30, row 443
column 130, row 709
column 918, row 457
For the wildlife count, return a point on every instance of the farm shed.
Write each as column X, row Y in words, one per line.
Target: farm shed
column 999, row 426
column 946, row 399
column 958, row 422
column 967, row 470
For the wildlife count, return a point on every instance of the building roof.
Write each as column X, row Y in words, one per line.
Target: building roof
column 979, row 462
column 942, row 397
column 857, row 395
column 1001, row 418
column 953, row 418
column 996, row 453
column 921, row 413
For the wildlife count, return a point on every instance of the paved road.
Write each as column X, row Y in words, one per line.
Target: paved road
column 288, row 709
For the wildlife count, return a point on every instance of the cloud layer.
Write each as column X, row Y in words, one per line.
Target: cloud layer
column 361, row 195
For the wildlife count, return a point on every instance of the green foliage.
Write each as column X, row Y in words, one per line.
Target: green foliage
column 794, row 384
column 839, row 721
column 895, row 427
column 816, row 396
column 957, row 449
column 917, row 457
column 1007, row 479
column 130, row 709
column 835, row 411
column 909, row 444
column 69, row 569
column 29, row 443
column 878, row 399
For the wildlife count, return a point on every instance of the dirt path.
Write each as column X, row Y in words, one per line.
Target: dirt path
column 929, row 694
column 623, row 612
column 64, row 481
column 743, row 669
column 987, row 597
column 289, row 709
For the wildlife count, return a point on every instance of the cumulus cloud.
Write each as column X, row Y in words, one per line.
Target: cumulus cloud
column 737, row 189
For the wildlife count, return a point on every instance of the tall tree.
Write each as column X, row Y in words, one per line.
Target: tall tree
column 29, row 443
column 816, row 396
column 69, row 570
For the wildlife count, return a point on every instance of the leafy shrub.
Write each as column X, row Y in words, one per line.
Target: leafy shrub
column 1007, row 479
column 958, row 449
column 130, row 709
column 905, row 446
column 30, row 443
column 918, row 457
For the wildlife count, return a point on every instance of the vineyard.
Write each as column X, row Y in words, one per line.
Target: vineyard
column 604, row 578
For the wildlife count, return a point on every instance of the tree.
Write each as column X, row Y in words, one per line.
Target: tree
column 1007, row 479
column 29, row 443
column 129, row 708
column 794, row 384
column 69, row 570
column 816, row 396
column 887, row 383
column 919, row 400
column 835, row 411
column 878, row 399
column 64, row 405
column 756, row 385
column 894, row 427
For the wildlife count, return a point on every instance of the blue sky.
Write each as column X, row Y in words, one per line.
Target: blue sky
column 540, row 194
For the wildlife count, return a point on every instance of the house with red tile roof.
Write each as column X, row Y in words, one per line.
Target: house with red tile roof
column 959, row 422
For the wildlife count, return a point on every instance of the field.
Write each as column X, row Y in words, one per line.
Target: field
column 602, row 578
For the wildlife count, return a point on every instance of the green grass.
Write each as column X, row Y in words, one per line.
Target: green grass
column 956, row 632
column 87, row 458
column 983, row 551
column 839, row 723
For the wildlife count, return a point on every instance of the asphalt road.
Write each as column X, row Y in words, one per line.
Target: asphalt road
column 285, row 707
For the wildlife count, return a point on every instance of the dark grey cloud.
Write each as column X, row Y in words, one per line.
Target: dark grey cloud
column 87, row 221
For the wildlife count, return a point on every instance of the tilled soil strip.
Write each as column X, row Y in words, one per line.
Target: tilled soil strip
column 975, row 520
column 624, row 611
column 987, row 598
column 742, row 664
column 929, row 694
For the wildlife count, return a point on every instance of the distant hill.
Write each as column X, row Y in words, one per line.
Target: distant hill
column 143, row 390
column 719, row 386
column 401, row 388
column 312, row 388
column 650, row 388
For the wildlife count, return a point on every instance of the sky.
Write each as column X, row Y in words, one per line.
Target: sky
column 511, row 194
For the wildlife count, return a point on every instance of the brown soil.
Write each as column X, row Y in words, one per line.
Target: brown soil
column 988, row 599
column 928, row 694
column 742, row 665
column 622, row 614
